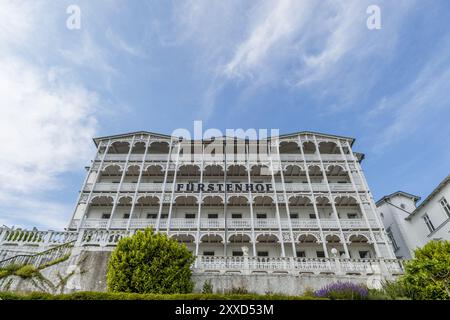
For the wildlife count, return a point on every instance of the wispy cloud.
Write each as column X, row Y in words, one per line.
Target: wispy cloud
column 47, row 119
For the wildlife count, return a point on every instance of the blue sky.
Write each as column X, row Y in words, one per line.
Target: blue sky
column 160, row 65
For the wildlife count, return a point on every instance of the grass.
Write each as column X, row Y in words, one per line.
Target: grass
column 88, row 295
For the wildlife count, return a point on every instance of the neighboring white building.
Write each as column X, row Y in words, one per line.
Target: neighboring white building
column 410, row 226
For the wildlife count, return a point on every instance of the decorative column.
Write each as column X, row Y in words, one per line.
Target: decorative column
column 360, row 204
column 324, row 174
column 371, row 203
column 88, row 201
column 200, row 202
column 124, row 172
column 280, row 231
column 163, row 191
column 133, row 205
column 250, row 197
column 286, row 201
column 173, row 189
column 311, row 191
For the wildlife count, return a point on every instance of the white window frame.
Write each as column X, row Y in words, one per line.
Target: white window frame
column 445, row 206
column 428, row 222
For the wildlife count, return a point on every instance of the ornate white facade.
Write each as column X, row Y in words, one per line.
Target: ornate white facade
column 308, row 196
column 293, row 204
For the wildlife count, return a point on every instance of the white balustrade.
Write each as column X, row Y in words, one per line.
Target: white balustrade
column 239, row 223
column 304, row 223
column 212, row 223
column 268, row 223
column 314, row 265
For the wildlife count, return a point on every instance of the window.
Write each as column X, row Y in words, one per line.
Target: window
column 312, row 216
column 189, row 215
column 352, row 215
column 263, row 253
column 294, row 215
column 364, row 254
column 427, row 220
column 320, row 254
column 238, row 253
column 164, row 216
column 391, row 236
column 126, row 215
column 213, row 216
column 152, row 215
column 106, row 216
column 236, row 216
column 261, row 216
column 301, row 254
column 446, row 206
column 402, row 206
column 208, row 253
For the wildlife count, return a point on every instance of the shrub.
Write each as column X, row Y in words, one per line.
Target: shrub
column 26, row 271
column 343, row 290
column 398, row 289
column 150, row 263
column 427, row 276
column 207, row 287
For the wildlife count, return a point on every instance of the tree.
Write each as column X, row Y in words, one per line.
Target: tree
column 150, row 262
column 428, row 274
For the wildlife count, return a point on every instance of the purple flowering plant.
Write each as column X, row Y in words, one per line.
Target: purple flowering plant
column 343, row 290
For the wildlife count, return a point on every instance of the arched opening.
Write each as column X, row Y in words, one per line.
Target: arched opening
column 189, row 171
column 139, row 148
column 236, row 170
column 111, row 173
column 211, row 238
column 328, row 147
column 213, row 170
column 147, row 207
column 239, row 238
column 184, row 238
column 332, row 238
column 309, row 147
column 267, row 238
column 159, row 147
column 289, row 147
column 119, row 147
column 100, row 207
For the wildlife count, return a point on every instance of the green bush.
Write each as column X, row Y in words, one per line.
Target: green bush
column 150, row 262
column 207, row 287
column 26, row 271
column 427, row 276
column 398, row 290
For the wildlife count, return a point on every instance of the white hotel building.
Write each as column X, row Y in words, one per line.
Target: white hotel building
column 307, row 199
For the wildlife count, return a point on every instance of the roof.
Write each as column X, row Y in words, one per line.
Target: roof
column 430, row 196
column 398, row 193
column 98, row 139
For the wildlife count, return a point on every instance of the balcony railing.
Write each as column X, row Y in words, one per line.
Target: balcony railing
column 283, row 157
column 244, row 223
column 309, row 265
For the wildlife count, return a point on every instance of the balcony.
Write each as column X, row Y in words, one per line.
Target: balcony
column 295, row 265
column 245, row 223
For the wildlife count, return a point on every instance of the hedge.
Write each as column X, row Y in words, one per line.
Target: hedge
column 88, row 295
